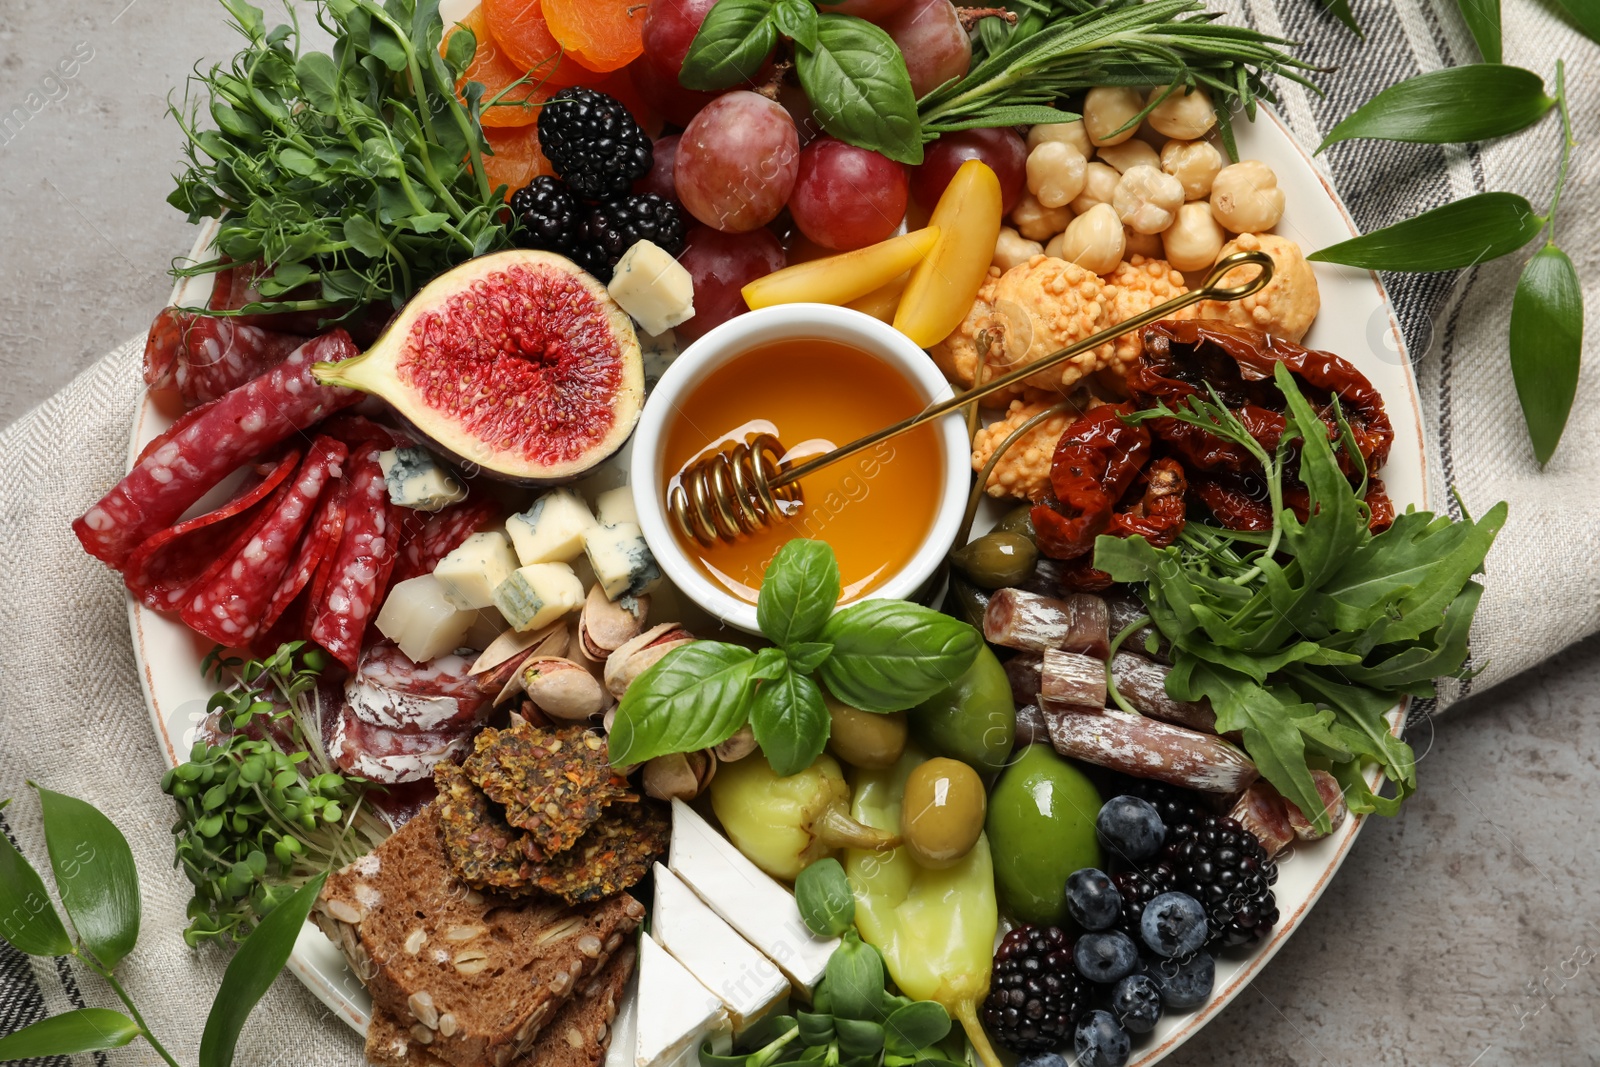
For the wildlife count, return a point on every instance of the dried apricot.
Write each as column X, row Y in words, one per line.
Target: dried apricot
column 517, row 159
column 603, row 35
column 495, row 70
column 519, row 27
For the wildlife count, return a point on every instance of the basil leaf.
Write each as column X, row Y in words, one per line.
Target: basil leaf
column 1340, row 9
column 71, row 1032
column 770, row 664
column 857, row 83
column 1459, row 234
column 796, row 19
column 251, row 972
column 731, row 45
column 790, row 722
column 28, row 920
column 798, row 592
column 1446, row 106
column 1483, row 20
column 1547, row 345
column 696, row 696
column 823, row 895
column 914, row 1027
column 95, row 874
column 889, row 655
column 807, row 656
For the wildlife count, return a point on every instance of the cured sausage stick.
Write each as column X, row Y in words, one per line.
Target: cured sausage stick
column 1033, row 623
column 1148, row 748
column 1143, row 684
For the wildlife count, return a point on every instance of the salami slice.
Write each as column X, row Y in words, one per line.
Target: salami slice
column 387, row 756
column 230, row 608
column 362, row 564
column 165, row 566
column 205, row 357
column 321, row 538
column 202, row 452
column 389, row 690
column 355, row 430
column 440, row 533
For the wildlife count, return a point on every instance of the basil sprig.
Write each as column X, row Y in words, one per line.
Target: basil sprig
column 94, row 872
column 878, row 656
column 851, row 71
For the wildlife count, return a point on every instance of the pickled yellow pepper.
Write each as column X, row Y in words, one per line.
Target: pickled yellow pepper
column 935, row 928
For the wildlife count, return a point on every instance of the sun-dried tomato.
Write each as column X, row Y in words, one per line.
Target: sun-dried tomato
column 1095, row 462
column 1237, row 501
column 1159, row 514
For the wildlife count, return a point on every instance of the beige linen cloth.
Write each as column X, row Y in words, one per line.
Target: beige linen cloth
column 73, row 718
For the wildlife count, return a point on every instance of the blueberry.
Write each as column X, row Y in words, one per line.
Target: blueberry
column 1099, row 1041
column 1092, row 901
column 1174, row 924
column 1043, row 1059
column 1136, row 1001
column 1186, row 983
column 1130, row 827
column 1105, row 957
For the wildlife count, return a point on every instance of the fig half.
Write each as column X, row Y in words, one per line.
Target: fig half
column 516, row 365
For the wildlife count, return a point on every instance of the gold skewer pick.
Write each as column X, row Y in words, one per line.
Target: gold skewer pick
column 737, row 490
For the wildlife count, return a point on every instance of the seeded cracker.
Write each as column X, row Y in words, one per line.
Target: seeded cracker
column 483, row 850
column 555, row 784
column 611, row 857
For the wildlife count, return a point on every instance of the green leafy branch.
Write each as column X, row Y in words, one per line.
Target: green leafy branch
column 99, row 888
column 1473, row 103
column 878, row 656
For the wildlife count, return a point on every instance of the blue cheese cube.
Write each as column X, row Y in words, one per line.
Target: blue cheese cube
column 652, row 287
column 474, row 570
column 415, row 479
column 621, row 560
column 537, row 595
column 616, row 506
column 551, row 531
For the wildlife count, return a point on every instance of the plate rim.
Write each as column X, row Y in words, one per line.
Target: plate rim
column 307, row 969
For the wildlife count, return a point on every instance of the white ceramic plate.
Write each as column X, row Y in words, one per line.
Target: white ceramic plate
column 1356, row 321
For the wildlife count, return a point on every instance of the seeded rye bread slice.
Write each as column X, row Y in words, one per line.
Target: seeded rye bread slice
column 482, row 971
column 578, row 1035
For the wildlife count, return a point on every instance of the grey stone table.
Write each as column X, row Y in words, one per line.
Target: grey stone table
column 1463, row 932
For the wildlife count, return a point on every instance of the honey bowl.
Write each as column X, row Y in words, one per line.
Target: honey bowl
column 814, row 376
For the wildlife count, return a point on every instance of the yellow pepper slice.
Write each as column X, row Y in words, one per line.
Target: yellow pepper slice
column 845, row 277
column 945, row 283
column 935, row 928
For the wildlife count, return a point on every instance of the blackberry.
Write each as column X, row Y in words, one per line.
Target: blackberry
column 592, row 141
column 1138, row 888
column 1224, row 867
column 613, row 227
column 549, row 215
column 1035, row 994
column 1180, row 809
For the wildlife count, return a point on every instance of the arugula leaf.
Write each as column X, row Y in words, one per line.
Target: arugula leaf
column 732, row 43
column 856, row 79
column 798, row 593
column 889, row 655
column 1412, row 669
column 695, row 697
column 790, row 722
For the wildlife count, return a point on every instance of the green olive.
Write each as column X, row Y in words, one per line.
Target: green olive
column 1041, row 829
column 1019, row 520
column 973, row 719
column 997, row 560
column 966, row 602
column 862, row 738
column 942, row 811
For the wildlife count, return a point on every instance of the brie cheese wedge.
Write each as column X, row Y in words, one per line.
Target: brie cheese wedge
column 675, row 1012
column 725, row 963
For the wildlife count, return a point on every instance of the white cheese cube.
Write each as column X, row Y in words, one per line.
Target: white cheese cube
column 551, row 531
column 652, row 287
column 724, row 962
column 537, row 595
column 744, row 895
column 616, row 506
column 472, row 572
column 621, row 560
column 676, row 1013
column 417, row 617
column 415, row 479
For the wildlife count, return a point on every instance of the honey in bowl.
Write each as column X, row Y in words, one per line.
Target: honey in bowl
column 874, row 508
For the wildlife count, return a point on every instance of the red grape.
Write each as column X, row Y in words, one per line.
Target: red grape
column 798, row 105
column 871, row 10
column 664, row 152
column 1003, row 150
column 668, row 31
column 847, row 197
column 930, row 36
column 721, row 264
column 737, row 162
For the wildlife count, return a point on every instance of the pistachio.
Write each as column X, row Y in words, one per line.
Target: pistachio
column 423, row 1009
column 471, row 961
column 505, row 678
column 561, row 688
column 606, row 625
column 634, row 657
column 738, row 746
column 679, row 775
column 511, row 644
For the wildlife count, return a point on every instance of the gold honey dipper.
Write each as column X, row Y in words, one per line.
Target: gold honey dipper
column 736, row 490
